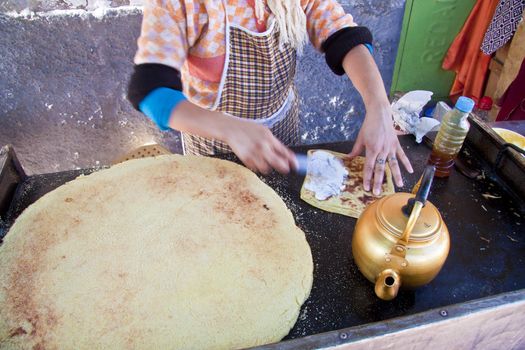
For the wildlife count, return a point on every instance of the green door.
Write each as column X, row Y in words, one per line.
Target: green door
column 429, row 27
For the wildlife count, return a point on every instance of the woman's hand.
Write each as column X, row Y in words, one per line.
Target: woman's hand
column 258, row 148
column 377, row 135
column 254, row 144
column 378, row 138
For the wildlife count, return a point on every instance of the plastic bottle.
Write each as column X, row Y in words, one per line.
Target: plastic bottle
column 452, row 132
column 483, row 108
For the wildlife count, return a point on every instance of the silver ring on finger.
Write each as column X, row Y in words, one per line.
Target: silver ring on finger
column 380, row 161
column 392, row 159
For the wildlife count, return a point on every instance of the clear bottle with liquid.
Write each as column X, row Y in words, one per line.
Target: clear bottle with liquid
column 452, row 132
column 483, row 107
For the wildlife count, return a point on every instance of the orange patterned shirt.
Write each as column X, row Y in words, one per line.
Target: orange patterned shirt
column 190, row 36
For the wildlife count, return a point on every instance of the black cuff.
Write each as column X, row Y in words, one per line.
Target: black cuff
column 341, row 42
column 149, row 76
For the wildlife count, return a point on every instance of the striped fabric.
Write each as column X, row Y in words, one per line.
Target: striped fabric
column 262, row 75
column 258, row 80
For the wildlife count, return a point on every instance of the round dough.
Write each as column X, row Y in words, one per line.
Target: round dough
column 168, row 252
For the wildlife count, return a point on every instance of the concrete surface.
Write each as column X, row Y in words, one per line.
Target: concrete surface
column 63, row 77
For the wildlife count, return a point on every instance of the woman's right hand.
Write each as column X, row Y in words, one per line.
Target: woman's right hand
column 258, row 148
column 254, row 144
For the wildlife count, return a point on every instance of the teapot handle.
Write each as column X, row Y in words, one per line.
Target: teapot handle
column 414, row 205
column 424, row 184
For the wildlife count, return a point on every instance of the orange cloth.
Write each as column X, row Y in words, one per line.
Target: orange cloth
column 464, row 55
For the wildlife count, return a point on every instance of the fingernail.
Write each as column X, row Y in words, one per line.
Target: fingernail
column 376, row 192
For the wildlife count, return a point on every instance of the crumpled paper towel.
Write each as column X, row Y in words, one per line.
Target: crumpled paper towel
column 406, row 112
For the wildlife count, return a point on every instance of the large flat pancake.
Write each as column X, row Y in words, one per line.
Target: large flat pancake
column 167, row 252
column 353, row 199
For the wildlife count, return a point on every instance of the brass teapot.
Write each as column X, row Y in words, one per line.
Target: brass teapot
column 400, row 240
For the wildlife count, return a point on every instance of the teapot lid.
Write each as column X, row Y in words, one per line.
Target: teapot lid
column 391, row 217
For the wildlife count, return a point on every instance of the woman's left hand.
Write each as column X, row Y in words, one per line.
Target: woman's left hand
column 379, row 140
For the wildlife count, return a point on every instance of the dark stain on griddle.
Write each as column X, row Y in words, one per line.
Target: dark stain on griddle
column 239, row 205
column 353, row 166
column 247, row 197
column 17, row 332
column 221, row 172
column 163, row 181
column 350, row 187
column 366, row 199
column 201, row 193
column 33, row 321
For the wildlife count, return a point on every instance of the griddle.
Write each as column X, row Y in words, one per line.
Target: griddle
column 486, row 256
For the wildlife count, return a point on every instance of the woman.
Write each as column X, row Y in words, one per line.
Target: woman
column 221, row 72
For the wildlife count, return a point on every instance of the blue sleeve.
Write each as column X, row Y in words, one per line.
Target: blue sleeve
column 159, row 103
column 370, row 48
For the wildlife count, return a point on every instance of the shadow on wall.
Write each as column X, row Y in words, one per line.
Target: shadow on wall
column 64, row 76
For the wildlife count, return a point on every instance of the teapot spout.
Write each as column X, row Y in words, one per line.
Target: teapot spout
column 387, row 284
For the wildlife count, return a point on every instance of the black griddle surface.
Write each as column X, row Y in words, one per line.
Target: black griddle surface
column 486, row 256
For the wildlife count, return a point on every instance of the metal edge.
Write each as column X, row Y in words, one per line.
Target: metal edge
column 372, row 330
column 11, row 174
column 10, row 152
column 488, row 144
column 495, row 140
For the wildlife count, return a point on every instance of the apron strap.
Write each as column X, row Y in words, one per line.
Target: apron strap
column 226, row 19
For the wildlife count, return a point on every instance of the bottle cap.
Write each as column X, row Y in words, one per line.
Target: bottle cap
column 465, row 104
column 429, row 111
column 485, row 103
